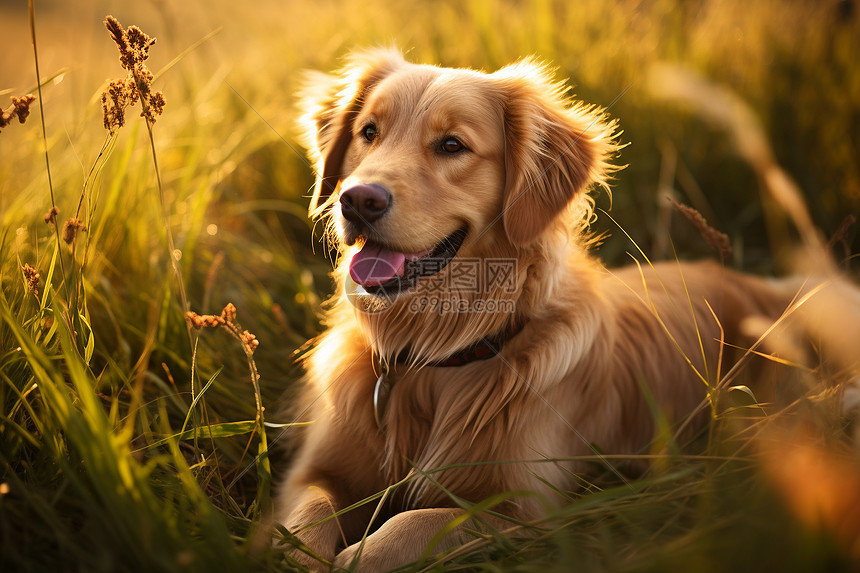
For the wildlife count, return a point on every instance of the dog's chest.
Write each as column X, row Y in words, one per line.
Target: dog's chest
column 405, row 409
column 429, row 428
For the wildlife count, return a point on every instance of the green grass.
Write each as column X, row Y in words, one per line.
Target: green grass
column 99, row 374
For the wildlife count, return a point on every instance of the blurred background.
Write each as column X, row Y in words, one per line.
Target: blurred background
column 236, row 183
column 792, row 61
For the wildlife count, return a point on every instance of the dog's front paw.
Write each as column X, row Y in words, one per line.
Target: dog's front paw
column 302, row 551
column 312, row 563
column 372, row 557
column 346, row 558
column 363, row 559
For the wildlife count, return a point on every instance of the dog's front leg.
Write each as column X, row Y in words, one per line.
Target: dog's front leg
column 406, row 536
column 313, row 521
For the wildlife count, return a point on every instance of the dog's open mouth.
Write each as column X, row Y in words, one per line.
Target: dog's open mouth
column 384, row 272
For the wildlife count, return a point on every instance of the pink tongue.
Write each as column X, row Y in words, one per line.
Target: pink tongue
column 374, row 265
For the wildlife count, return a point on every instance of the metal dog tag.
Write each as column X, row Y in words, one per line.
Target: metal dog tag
column 380, row 396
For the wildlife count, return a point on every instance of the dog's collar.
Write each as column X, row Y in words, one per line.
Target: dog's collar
column 484, row 349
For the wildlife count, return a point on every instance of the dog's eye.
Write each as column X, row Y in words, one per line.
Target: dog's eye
column 451, row 145
column 369, row 132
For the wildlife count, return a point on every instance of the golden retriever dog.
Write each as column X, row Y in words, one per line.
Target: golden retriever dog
column 475, row 347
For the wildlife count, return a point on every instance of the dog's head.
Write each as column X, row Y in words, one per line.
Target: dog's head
column 417, row 165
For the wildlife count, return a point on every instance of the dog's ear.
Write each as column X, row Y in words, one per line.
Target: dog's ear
column 329, row 104
column 554, row 148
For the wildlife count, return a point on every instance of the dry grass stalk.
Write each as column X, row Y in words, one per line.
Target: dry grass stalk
column 20, row 108
column 249, row 344
column 133, row 45
column 718, row 241
column 839, row 237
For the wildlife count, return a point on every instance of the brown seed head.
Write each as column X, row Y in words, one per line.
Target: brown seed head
column 116, row 32
column 119, row 95
column 133, row 45
column 71, row 229
column 156, row 106
column 32, row 279
column 139, row 43
column 250, row 341
column 51, row 215
column 199, row 321
column 229, row 313
column 717, row 240
column 225, row 320
column 20, row 108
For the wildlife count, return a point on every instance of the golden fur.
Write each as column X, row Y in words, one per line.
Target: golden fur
column 595, row 341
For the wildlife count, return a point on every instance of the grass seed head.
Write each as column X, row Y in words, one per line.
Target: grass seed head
column 156, row 105
column 717, row 240
column 20, row 108
column 32, row 279
column 119, row 95
column 228, row 315
column 71, row 229
column 250, row 341
column 199, row 321
column 51, row 215
column 227, row 320
column 118, row 36
column 133, row 45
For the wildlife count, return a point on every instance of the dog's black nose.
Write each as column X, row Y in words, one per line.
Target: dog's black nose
column 364, row 203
